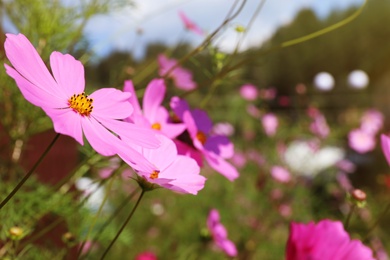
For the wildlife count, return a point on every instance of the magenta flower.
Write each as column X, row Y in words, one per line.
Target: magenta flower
column 270, row 123
column 361, row 141
column 325, row 240
column 146, row 256
column 372, row 121
column 170, row 170
column 214, row 148
column 385, row 143
column 182, row 78
column 248, row 92
column 153, row 115
column 319, row 126
column 73, row 112
column 191, row 26
column 219, row 234
column 280, row 174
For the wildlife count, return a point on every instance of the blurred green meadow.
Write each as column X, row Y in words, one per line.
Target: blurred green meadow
column 56, row 217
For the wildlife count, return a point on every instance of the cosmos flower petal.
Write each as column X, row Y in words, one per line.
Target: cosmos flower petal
column 66, row 122
column 34, row 95
column 228, row 247
column 179, row 106
column 101, row 140
column 164, row 155
column 173, row 130
column 153, row 97
column 111, row 103
column 129, row 87
column 133, row 134
column 26, row 60
column 221, row 166
column 220, row 145
column 385, row 143
column 190, row 123
column 68, row 72
column 186, row 150
column 203, row 121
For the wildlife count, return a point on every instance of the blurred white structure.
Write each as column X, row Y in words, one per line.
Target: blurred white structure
column 324, row 81
column 358, row 79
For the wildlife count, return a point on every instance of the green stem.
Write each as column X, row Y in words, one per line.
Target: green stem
column 25, row 178
column 124, row 225
column 348, row 219
column 377, row 222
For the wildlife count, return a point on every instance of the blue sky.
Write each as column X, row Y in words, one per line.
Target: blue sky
column 159, row 21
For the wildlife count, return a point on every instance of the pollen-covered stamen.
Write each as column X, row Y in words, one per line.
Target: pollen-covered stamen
column 81, row 104
column 202, row 138
column 156, row 126
column 154, row 174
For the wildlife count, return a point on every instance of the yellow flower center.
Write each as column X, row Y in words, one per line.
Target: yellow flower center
column 81, row 103
column 201, row 137
column 154, row 174
column 156, row 126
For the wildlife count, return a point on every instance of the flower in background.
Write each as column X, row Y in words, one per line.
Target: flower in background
column 280, row 174
column 219, row 234
column 325, row 240
column 319, row 126
column 372, row 121
column 361, row 141
column 270, row 123
column 170, row 170
column 305, row 158
column 253, row 110
column 249, row 92
column 268, row 93
column 224, row 128
column 93, row 192
column 146, row 256
column 182, row 78
column 385, row 143
column 214, row 148
column 153, row 115
column 73, row 112
column 191, row 26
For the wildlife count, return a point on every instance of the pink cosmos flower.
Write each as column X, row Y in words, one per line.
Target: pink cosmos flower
column 270, row 123
column 325, row 240
column 214, row 148
column 170, row 170
column 219, row 234
column 182, row 78
column 385, row 143
column 153, row 115
column 191, row 26
column 280, row 174
column 146, row 256
column 73, row 113
column 372, row 121
column 224, row 128
column 361, row 141
column 319, row 126
column 248, row 92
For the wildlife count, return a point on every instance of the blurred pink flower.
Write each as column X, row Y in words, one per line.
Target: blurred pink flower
column 253, row 110
column 219, row 234
column 191, row 26
column 346, row 166
column 224, row 128
column 146, row 256
column 239, row 159
column 280, row 174
column 182, row 78
column 214, row 148
column 325, row 240
column 361, row 141
column 372, row 121
column 319, row 126
column 267, row 94
column 385, row 143
column 285, row 210
column 270, row 123
column 153, row 115
column 344, row 181
column 170, row 170
column 249, row 92
column 74, row 113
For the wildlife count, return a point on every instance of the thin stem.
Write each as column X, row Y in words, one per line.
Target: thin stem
column 377, row 222
column 348, row 219
column 25, row 178
column 124, row 225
